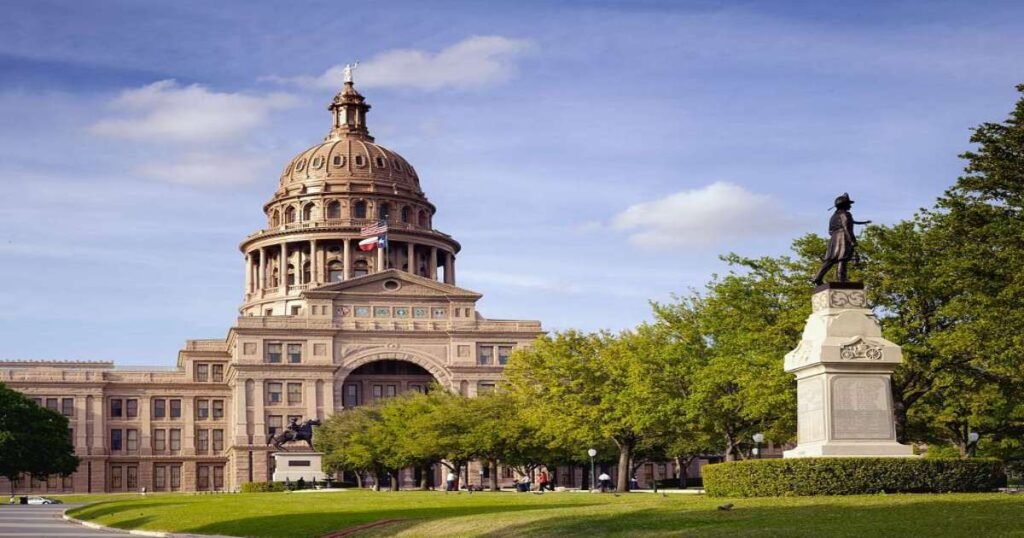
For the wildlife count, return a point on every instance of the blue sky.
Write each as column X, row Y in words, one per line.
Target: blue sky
column 590, row 156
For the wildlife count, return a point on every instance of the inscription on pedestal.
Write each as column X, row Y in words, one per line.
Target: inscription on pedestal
column 860, row 408
column 810, row 416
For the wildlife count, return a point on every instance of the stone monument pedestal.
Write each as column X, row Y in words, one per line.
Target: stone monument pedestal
column 843, row 370
column 292, row 466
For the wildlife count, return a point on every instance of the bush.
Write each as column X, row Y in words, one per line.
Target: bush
column 262, row 487
column 850, row 476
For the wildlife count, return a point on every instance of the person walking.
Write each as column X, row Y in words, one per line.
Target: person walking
column 544, row 482
column 451, row 481
column 605, row 481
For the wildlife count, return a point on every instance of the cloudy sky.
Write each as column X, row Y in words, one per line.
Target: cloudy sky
column 590, row 156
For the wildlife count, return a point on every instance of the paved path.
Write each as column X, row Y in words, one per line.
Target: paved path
column 43, row 520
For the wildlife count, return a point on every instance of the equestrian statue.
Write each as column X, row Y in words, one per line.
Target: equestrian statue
column 294, row 432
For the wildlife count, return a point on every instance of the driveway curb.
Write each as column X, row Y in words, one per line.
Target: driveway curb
column 136, row 532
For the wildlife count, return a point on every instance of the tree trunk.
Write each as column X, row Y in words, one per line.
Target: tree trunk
column 376, row 481
column 394, row 479
column 899, row 416
column 425, row 477
column 730, row 449
column 494, row 474
column 359, row 479
column 625, row 453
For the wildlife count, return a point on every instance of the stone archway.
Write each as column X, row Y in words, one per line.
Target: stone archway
column 380, row 374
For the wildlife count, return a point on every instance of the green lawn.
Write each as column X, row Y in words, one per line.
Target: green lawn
column 562, row 514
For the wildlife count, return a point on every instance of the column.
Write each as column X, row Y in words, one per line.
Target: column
column 259, row 417
column 188, row 433
column 248, row 274
column 299, row 261
column 99, row 425
column 282, row 268
column 309, row 398
column 433, row 263
column 240, row 435
column 328, row 398
column 145, row 412
column 452, row 254
column 314, row 262
column 346, row 258
column 380, row 260
column 448, row 268
column 261, row 270
column 410, row 255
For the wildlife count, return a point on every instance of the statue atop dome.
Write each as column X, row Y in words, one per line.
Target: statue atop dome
column 348, row 70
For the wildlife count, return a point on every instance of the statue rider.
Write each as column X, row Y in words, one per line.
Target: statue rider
column 294, row 427
column 841, row 242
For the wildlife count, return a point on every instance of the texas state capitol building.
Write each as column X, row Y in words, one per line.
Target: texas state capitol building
column 323, row 326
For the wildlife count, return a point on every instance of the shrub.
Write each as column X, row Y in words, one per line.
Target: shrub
column 262, row 487
column 850, row 476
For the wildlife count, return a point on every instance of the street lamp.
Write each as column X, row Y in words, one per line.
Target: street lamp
column 593, row 474
column 758, row 439
column 972, row 443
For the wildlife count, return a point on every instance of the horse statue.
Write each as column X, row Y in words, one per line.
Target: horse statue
column 294, row 432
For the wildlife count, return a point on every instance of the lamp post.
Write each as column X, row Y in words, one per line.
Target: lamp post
column 593, row 474
column 758, row 439
column 972, row 443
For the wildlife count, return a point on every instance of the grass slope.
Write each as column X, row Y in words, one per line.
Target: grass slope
column 562, row 514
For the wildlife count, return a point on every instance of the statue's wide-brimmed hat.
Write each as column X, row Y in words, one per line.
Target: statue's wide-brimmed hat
column 844, row 199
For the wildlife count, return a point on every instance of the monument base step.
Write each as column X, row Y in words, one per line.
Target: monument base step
column 851, row 449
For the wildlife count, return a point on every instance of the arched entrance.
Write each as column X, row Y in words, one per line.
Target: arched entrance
column 382, row 379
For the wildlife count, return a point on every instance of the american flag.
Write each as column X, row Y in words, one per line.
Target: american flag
column 378, row 228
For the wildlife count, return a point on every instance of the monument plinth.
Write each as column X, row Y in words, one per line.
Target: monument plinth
column 292, row 466
column 843, row 370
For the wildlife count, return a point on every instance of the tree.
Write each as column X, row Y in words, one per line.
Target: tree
column 358, row 440
column 580, row 389
column 33, row 440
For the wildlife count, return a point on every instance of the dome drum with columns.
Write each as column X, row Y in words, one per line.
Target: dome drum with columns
column 326, row 195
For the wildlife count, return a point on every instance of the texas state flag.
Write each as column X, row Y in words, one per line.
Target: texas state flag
column 381, row 241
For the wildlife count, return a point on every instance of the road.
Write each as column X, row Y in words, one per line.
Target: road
column 43, row 520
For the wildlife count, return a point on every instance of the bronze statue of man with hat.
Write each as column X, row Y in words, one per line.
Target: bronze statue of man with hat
column 841, row 241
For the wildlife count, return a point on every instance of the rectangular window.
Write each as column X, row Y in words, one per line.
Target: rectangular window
column 416, row 387
column 362, row 311
column 218, row 409
column 294, row 353
column 294, row 393
column 351, row 395
column 115, row 408
column 51, row 404
column 67, row 482
column 218, row 440
column 274, row 393
column 484, row 387
column 202, row 441
column 133, row 476
column 175, row 476
column 67, row 407
column 175, row 435
column 202, row 409
column 504, row 352
column 131, row 408
column 217, row 371
column 273, row 353
column 159, row 440
column 132, row 438
column 378, row 392
column 218, row 477
column 159, row 408
column 159, row 477
column 38, row 401
column 202, row 373
column 115, row 439
column 390, row 391
column 485, row 355
column 115, row 477
column 175, row 408
column 203, row 477
column 274, row 424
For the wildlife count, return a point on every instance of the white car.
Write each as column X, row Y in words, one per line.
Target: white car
column 42, row 500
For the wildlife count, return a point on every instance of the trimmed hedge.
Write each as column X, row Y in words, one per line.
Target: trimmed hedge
column 263, row 487
column 850, row 476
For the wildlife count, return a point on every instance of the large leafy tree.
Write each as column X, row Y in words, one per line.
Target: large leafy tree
column 33, row 440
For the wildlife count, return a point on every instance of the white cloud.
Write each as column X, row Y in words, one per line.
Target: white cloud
column 473, row 62
column 204, row 168
column 719, row 211
column 165, row 110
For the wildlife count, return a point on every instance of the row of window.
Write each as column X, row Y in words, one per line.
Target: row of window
column 360, row 210
column 205, row 372
column 64, row 406
column 352, row 394
column 274, row 352
column 52, row 482
column 167, row 440
column 487, row 353
column 166, row 477
column 274, row 392
column 400, row 312
column 166, row 408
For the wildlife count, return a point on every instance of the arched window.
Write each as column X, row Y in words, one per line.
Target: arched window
column 307, row 212
column 289, row 214
column 359, row 210
column 423, row 218
column 275, row 218
column 383, row 211
column 291, row 275
column 275, row 279
column 335, row 271
column 307, row 272
column 405, row 213
column 360, row 268
column 334, row 210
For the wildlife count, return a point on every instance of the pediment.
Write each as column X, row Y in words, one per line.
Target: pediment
column 392, row 283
